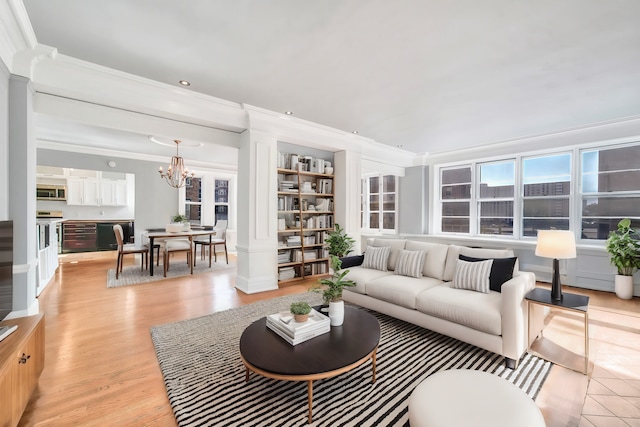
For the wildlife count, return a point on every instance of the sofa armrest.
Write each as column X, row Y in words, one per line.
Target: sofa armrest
column 352, row 261
column 514, row 314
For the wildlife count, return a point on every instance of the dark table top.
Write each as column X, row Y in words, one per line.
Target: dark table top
column 358, row 336
column 569, row 301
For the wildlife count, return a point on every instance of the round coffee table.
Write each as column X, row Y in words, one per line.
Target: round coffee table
column 336, row 352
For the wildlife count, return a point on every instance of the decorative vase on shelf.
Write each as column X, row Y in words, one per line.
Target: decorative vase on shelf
column 336, row 313
column 624, row 286
column 328, row 170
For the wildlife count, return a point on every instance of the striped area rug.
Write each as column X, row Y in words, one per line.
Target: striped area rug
column 205, row 378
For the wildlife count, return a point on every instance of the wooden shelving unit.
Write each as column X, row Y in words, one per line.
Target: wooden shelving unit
column 305, row 216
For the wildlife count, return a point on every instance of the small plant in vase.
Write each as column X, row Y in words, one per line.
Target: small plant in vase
column 623, row 246
column 181, row 219
column 300, row 311
column 331, row 290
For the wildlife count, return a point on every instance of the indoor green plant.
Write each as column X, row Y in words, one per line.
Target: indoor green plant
column 300, row 311
column 331, row 290
column 178, row 218
column 339, row 243
column 623, row 246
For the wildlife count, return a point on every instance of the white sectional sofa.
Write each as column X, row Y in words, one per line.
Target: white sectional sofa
column 495, row 321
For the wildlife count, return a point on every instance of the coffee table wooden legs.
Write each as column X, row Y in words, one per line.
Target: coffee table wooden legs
column 249, row 368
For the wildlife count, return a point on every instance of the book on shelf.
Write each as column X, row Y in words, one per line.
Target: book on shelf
column 284, row 325
column 324, row 186
column 286, row 273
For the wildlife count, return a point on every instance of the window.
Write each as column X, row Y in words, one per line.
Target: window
column 456, row 199
column 610, row 190
column 221, row 199
column 207, row 199
column 495, row 198
column 378, row 203
column 546, row 193
column 587, row 190
column 193, row 200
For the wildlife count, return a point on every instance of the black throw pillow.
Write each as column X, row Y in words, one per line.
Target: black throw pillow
column 501, row 270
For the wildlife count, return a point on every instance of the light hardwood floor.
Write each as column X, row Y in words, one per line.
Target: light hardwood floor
column 101, row 368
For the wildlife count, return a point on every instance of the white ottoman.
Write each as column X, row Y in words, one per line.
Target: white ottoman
column 471, row 398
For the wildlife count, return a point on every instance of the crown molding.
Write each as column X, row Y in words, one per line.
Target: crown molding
column 601, row 133
column 198, row 165
column 16, row 33
column 67, row 77
column 302, row 132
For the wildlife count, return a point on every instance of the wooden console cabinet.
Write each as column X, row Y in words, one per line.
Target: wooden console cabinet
column 21, row 362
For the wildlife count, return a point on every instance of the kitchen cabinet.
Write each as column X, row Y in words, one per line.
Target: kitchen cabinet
column 83, row 191
column 97, row 192
column 79, row 237
column 21, row 363
column 113, row 192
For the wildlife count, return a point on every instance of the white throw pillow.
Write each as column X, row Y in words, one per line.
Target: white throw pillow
column 473, row 275
column 376, row 258
column 410, row 263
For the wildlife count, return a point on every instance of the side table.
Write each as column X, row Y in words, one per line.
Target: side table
column 570, row 302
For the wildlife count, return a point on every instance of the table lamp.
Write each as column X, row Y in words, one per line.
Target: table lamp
column 556, row 244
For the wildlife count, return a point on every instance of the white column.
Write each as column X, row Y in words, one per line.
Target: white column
column 257, row 213
column 22, row 196
column 348, row 172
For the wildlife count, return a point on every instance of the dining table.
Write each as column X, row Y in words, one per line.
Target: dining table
column 161, row 233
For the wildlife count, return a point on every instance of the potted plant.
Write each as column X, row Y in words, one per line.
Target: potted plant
column 182, row 220
column 331, row 290
column 338, row 243
column 623, row 246
column 300, row 311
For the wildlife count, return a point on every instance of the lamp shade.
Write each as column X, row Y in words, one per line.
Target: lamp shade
column 558, row 244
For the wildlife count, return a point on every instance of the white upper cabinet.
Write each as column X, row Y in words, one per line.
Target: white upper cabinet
column 113, row 192
column 83, row 191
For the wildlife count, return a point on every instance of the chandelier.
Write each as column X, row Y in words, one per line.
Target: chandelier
column 176, row 173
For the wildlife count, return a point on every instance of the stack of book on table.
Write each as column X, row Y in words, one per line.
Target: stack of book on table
column 293, row 332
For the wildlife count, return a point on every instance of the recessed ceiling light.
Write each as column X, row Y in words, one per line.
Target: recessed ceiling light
column 355, row 132
column 400, row 146
column 289, row 113
column 184, row 83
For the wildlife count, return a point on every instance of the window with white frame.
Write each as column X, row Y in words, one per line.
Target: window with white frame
column 495, row 197
column 193, row 200
column 207, row 199
column 546, row 193
column 455, row 199
column 378, row 203
column 610, row 189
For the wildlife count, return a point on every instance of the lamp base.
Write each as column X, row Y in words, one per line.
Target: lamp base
column 556, row 286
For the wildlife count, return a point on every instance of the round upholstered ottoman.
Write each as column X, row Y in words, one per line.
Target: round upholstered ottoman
column 471, row 398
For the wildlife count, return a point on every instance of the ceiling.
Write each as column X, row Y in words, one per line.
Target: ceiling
column 425, row 75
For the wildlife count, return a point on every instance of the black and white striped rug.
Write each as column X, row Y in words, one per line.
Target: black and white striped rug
column 205, row 378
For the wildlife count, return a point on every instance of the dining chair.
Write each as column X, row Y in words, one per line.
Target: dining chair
column 177, row 245
column 219, row 239
column 129, row 248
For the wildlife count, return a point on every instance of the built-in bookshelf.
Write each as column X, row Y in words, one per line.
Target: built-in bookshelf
column 305, row 216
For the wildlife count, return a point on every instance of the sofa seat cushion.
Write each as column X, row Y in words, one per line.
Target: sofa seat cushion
column 476, row 310
column 400, row 290
column 361, row 276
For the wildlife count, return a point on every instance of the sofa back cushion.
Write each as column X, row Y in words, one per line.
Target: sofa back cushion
column 434, row 264
column 455, row 251
column 396, row 245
